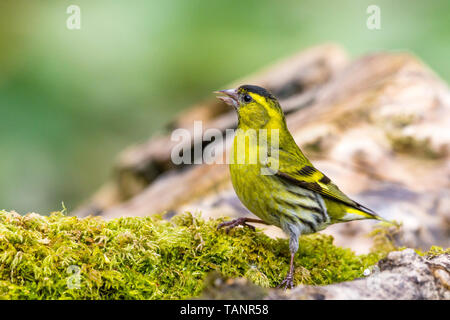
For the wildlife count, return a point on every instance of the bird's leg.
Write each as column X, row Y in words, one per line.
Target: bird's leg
column 288, row 282
column 240, row 221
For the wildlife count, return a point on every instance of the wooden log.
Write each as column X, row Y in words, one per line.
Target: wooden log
column 377, row 128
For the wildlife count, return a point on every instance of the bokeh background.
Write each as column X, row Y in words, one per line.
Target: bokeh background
column 70, row 100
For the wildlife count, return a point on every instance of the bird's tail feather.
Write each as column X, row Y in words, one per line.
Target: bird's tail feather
column 366, row 213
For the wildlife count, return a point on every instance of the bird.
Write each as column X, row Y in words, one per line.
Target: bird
column 275, row 180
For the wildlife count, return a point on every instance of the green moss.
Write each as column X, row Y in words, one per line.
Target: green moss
column 432, row 252
column 61, row 257
column 410, row 145
column 384, row 235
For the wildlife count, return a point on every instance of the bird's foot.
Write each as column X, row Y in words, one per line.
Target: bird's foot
column 288, row 282
column 236, row 222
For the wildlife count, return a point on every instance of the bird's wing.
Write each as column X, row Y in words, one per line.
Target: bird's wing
column 298, row 170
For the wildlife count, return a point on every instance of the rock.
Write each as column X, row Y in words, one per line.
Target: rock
column 403, row 275
column 218, row 288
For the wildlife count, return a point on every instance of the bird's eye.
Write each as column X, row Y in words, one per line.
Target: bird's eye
column 247, row 98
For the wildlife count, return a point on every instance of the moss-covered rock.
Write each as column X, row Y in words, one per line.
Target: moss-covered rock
column 63, row 257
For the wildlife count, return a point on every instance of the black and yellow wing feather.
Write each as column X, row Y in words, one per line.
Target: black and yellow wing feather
column 295, row 168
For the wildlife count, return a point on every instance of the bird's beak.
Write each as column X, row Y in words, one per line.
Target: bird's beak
column 231, row 97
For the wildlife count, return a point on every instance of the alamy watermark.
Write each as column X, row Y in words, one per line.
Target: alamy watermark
column 374, row 19
column 375, row 278
column 73, row 22
column 74, row 280
column 252, row 146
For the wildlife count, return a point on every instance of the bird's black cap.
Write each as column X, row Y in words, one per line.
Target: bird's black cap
column 258, row 90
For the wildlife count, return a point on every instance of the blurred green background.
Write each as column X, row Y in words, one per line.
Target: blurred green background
column 70, row 100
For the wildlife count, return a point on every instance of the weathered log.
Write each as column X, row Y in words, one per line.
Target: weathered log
column 377, row 127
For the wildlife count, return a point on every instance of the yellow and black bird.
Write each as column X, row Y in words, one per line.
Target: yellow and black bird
column 285, row 189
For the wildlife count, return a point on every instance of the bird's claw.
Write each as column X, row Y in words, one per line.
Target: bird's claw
column 288, row 282
column 234, row 223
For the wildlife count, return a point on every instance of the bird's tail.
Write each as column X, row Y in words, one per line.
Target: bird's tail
column 365, row 213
